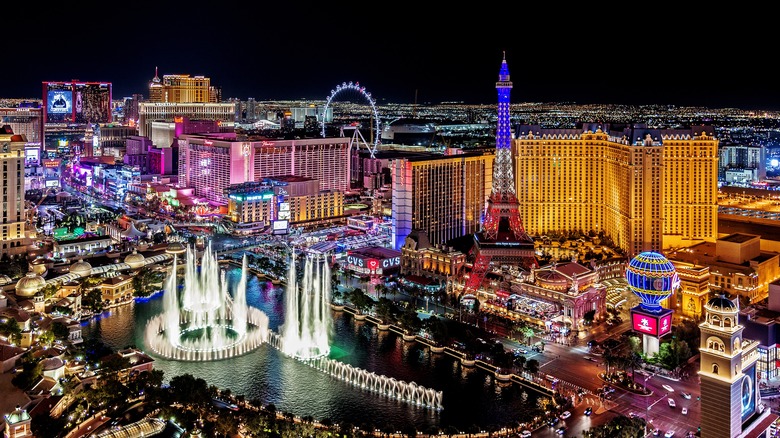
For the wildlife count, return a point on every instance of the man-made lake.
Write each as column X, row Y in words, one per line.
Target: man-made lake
column 471, row 397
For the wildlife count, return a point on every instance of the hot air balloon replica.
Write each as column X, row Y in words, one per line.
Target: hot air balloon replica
column 653, row 278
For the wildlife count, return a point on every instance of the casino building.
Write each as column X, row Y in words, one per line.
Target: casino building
column 442, row 195
column 648, row 189
column 12, row 228
column 210, row 163
column 256, row 205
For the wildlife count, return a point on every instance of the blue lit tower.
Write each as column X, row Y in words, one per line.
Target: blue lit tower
column 503, row 239
column 653, row 278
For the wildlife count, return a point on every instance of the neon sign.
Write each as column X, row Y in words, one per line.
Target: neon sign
column 645, row 324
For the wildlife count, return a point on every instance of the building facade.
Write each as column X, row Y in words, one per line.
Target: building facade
column 648, row 189
column 420, row 258
column 442, row 195
column 148, row 112
column 730, row 399
column 736, row 264
column 211, row 163
column 762, row 323
column 12, row 229
column 181, row 88
column 299, row 200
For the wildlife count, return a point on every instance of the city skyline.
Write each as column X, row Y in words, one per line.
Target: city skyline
column 401, row 55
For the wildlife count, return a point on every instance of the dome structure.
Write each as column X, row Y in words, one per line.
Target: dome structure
column 29, row 285
column 52, row 364
column 176, row 248
column 82, row 268
column 18, row 415
column 721, row 304
column 652, row 277
column 552, row 279
column 38, row 266
column 135, row 260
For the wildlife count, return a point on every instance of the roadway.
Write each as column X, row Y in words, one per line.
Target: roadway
column 577, row 367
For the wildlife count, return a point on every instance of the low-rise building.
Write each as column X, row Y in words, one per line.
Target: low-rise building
column 737, row 266
column 420, row 258
column 116, row 288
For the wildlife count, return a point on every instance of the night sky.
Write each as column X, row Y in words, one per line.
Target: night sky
column 403, row 52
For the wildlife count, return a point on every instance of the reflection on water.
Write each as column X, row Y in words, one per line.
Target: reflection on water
column 470, row 396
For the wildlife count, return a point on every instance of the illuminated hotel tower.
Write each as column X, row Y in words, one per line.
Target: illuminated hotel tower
column 503, row 239
column 647, row 189
column 12, row 228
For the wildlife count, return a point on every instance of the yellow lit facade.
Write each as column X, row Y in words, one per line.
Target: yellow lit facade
column 647, row 189
column 297, row 199
column 181, row 89
column 12, row 227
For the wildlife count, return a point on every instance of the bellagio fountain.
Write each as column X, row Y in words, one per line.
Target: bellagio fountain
column 204, row 322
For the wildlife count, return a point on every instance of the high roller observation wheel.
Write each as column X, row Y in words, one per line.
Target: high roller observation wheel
column 355, row 86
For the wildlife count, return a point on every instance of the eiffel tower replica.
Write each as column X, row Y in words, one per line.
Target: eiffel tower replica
column 503, row 239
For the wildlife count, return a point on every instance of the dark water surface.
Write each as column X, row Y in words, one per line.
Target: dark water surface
column 471, row 397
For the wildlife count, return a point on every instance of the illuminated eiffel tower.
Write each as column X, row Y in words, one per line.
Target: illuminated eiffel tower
column 502, row 240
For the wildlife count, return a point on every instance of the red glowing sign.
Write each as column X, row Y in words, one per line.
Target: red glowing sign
column 665, row 325
column 373, row 264
column 645, row 324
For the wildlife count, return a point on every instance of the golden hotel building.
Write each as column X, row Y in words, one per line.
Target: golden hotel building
column 648, row 189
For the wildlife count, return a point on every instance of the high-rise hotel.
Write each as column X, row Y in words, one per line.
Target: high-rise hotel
column 175, row 97
column 12, row 228
column 648, row 189
column 210, row 163
column 442, row 195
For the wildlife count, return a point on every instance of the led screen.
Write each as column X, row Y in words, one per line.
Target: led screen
column 665, row 325
column 59, row 105
column 644, row 324
column 748, row 393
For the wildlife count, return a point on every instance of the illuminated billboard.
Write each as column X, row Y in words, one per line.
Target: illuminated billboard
column 748, row 393
column 77, row 102
column 644, row 324
column 284, row 211
column 664, row 325
column 59, row 105
column 92, row 102
column 655, row 324
column 372, row 265
column 279, row 227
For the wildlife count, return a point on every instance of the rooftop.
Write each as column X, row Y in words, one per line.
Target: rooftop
column 738, row 237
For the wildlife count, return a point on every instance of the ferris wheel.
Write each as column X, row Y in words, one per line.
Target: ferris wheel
column 374, row 125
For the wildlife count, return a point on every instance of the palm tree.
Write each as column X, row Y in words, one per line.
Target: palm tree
column 410, row 322
column 528, row 333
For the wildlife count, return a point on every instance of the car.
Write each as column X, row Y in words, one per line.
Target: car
column 519, row 351
column 565, row 415
column 671, row 402
column 632, row 415
column 525, row 434
column 669, row 434
column 553, row 421
column 561, row 430
column 685, row 411
column 668, row 388
column 686, row 395
column 588, row 410
column 656, row 432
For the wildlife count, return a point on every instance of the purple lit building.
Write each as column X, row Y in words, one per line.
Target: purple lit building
column 210, row 163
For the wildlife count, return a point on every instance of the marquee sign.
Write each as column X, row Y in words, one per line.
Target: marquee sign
column 651, row 323
column 372, row 265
